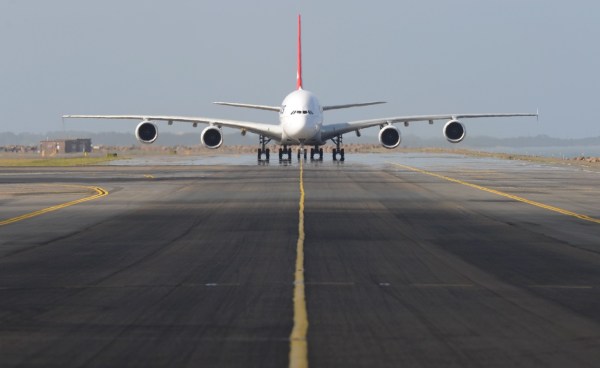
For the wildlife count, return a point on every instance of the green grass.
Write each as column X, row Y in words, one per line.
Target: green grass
column 63, row 161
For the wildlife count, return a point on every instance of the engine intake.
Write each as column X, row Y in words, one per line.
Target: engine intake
column 390, row 137
column 211, row 137
column 146, row 132
column 454, row 131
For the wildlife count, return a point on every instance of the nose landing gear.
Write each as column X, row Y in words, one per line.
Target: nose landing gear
column 302, row 152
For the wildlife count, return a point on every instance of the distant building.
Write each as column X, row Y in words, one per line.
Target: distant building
column 56, row 146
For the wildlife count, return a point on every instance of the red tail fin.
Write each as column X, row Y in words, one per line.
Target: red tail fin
column 299, row 71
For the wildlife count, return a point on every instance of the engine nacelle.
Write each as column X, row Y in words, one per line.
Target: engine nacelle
column 212, row 137
column 390, row 137
column 454, row 131
column 146, row 132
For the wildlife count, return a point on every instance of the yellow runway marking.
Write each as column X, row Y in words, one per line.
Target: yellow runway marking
column 148, row 176
column 497, row 192
column 99, row 193
column 298, row 343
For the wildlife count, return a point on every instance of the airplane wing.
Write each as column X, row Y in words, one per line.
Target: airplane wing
column 268, row 130
column 249, row 106
column 333, row 130
column 335, row 107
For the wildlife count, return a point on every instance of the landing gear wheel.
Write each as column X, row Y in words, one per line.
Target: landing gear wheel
column 263, row 141
column 320, row 154
column 266, row 152
column 312, row 154
column 338, row 148
column 280, row 154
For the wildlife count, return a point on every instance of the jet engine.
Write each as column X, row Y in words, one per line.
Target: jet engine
column 454, row 131
column 212, row 137
column 146, row 132
column 390, row 137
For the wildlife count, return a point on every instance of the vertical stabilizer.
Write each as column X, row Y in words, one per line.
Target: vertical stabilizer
column 299, row 70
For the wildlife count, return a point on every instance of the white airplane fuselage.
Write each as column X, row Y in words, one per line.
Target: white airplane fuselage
column 301, row 118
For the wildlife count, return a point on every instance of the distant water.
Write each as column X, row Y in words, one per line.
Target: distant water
column 559, row 152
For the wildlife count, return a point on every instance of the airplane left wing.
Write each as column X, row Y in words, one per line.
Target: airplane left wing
column 333, row 130
column 268, row 130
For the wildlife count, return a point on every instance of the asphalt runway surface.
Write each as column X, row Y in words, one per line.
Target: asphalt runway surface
column 409, row 260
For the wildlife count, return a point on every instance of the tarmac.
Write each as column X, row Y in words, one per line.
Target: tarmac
column 416, row 260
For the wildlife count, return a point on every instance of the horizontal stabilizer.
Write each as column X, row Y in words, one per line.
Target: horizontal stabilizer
column 249, row 106
column 335, row 107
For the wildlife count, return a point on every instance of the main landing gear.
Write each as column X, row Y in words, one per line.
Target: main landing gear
column 285, row 151
column 338, row 150
column 316, row 151
column 263, row 151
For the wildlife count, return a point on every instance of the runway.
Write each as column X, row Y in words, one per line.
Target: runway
column 408, row 261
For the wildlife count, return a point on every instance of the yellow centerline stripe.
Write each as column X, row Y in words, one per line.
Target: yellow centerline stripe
column 298, row 343
column 99, row 193
column 497, row 192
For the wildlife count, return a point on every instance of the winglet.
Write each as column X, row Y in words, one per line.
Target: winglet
column 299, row 70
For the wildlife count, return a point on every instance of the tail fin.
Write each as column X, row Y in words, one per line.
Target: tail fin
column 299, row 70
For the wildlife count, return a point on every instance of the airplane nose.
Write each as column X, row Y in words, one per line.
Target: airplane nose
column 299, row 129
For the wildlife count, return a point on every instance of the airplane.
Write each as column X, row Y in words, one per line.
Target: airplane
column 300, row 124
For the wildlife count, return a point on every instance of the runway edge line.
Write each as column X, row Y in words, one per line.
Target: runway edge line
column 100, row 192
column 506, row 195
column 298, row 343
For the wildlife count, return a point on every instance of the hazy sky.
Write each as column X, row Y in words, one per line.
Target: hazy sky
column 423, row 57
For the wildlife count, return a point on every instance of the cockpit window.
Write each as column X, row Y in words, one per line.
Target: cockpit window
column 301, row 112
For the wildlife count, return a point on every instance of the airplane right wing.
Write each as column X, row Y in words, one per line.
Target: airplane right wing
column 268, row 130
column 249, row 106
